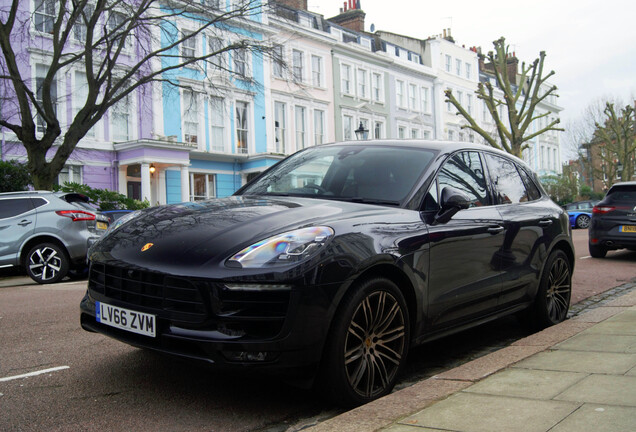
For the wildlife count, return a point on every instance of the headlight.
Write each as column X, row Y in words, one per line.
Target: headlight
column 283, row 248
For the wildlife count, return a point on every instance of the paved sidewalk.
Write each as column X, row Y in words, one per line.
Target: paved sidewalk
column 577, row 376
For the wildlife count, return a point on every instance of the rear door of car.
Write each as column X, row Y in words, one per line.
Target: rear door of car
column 463, row 285
column 17, row 222
column 530, row 221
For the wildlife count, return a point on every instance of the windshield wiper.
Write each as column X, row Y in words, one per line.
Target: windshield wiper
column 364, row 200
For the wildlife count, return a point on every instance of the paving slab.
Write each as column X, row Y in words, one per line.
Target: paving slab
column 628, row 315
column 580, row 361
column 468, row 412
column 600, row 314
column 614, row 328
column 487, row 365
column 598, row 418
column 408, row 428
column 599, row 343
column 527, row 383
column 628, row 299
column 603, row 389
column 555, row 334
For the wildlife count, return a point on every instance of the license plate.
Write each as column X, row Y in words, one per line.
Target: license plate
column 627, row 228
column 102, row 225
column 125, row 319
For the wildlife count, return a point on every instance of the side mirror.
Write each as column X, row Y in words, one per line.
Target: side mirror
column 452, row 201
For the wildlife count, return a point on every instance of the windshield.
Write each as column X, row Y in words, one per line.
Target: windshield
column 379, row 174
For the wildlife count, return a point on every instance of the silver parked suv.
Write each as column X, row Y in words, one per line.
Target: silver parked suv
column 47, row 233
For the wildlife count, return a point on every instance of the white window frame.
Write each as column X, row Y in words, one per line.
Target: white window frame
column 40, row 124
column 190, row 108
column 298, row 65
column 117, row 112
column 319, row 126
column 210, row 186
column 458, row 67
column 217, row 123
column 376, row 87
column 280, row 126
column 449, row 63
column 412, row 97
column 469, row 103
column 378, row 129
column 73, row 174
column 468, row 68
column 188, row 46
column 300, row 126
column 347, row 127
column 362, row 86
column 240, row 63
column 399, row 93
column 278, row 61
column 424, row 98
column 80, row 94
column 217, row 63
column 47, row 13
column 244, row 149
column 345, row 78
column 316, row 71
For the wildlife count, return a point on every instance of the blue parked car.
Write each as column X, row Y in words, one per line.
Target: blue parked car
column 580, row 213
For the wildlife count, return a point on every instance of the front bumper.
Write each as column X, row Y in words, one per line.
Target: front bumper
column 225, row 338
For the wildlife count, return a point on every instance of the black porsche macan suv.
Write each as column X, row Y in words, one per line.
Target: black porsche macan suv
column 336, row 261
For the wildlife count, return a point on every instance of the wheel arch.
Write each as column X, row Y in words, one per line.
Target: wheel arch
column 395, row 275
column 39, row 240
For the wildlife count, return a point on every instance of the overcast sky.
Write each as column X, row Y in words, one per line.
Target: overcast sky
column 590, row 44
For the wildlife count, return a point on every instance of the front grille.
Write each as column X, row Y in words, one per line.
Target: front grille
column 168, row 296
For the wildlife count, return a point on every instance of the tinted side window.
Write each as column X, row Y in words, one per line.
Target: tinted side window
column 504, row 176
column 465, row 172
column 38, row 202
column 531, row 187
column 11, row 207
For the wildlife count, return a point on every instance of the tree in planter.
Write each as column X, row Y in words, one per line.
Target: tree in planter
column 520, row 101
column 121, row 46
column 617, row 137
column 14, row 176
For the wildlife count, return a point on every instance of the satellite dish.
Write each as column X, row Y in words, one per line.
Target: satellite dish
column 372, row 28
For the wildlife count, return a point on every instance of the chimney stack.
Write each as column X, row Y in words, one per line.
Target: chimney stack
column 351, row 18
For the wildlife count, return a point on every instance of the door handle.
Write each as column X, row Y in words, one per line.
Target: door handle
column 495, row 229
column 24, row 222
column 545, row 222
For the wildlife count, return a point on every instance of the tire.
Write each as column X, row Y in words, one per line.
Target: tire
column 555, row 289
column 597, row 251
column 46, row 263
column 583, row 221
column 367, row 344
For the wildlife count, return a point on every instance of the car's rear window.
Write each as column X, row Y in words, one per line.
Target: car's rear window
column 622, row 194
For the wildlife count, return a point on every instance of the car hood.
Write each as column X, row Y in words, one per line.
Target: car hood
column 190, row 235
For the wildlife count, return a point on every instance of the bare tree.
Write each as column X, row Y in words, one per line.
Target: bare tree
column 512, row 133
column 617, row 137
column 122, row 46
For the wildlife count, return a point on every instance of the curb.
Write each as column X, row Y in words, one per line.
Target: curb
column 385, row 411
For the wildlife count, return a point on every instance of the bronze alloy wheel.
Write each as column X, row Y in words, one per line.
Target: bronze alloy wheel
column 374, row 344
column 559, row 289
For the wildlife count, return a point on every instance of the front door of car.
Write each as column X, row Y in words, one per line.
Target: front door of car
column 463, row 284
column 530, row 225
column 17, row 221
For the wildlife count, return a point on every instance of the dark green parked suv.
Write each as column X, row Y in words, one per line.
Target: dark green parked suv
column 47, row 233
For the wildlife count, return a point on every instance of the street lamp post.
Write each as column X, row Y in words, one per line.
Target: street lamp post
column 362, row 133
